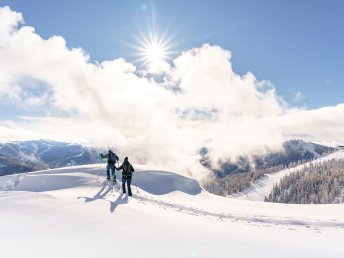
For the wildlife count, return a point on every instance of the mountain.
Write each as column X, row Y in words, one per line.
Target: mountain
column 11, row 165
column 315, row 183
column 261, row 188
column 72, row 212
column 26, row 156
column 293, row 152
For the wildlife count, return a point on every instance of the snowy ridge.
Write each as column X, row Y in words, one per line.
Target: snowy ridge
column 310, row 147
column 307, row 146
column 263, row 186
column 75, row 208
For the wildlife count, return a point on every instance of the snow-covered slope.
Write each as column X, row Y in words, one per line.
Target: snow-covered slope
column 72, row 212
column 263, row 186
column 310, row 147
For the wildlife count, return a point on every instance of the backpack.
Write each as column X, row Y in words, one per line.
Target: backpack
column 112, row 157
column 127, row 170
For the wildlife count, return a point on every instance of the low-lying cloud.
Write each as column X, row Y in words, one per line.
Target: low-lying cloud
column 199, row 102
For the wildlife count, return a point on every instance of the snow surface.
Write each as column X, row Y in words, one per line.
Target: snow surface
column 310, row 147
column 73, row 212
column 263, row 186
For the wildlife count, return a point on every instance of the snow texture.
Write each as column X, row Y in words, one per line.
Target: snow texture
column 74, row 212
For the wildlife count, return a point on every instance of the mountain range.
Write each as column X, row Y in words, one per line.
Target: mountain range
column 27, row 156
column 292, row 152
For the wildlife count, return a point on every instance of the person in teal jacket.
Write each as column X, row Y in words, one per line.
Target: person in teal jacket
column 111, row 161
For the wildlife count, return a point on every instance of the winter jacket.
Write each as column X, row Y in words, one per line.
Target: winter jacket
column 128, row 170
column 111, row 157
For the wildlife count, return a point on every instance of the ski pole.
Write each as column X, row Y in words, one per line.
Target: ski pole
column 117, row 170
column 132, row 181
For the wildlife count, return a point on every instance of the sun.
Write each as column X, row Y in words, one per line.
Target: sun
column 154, row 53
column 153, row 50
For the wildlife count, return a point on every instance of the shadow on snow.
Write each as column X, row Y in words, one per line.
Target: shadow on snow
column 103, row 193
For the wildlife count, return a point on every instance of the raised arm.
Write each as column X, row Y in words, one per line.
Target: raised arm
column 104, row 156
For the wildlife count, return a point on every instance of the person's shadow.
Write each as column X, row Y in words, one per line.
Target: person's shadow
column 101, row 195
column 121, row 199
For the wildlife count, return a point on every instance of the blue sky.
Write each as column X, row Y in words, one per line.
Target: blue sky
column 297, row 45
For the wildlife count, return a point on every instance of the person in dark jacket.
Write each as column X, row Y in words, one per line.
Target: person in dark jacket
column 127, row 173
column 111, row 161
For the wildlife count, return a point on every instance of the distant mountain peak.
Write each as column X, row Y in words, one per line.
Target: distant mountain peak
column 26, row 156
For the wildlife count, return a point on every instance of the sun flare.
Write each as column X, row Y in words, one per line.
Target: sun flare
column 153, row 51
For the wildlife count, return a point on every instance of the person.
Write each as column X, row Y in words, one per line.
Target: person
column 127, row 173
column 111, row 160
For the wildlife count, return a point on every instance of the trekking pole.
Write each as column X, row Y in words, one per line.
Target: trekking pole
column 100, row 167
column 116, row 182
column 117, row 170
column 137, row 191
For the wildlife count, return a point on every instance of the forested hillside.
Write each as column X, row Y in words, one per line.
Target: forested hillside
column 317, row 183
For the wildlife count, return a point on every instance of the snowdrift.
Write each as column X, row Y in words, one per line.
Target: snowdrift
column 74, row 212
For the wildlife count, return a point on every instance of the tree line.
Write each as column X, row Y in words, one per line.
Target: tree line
column 316, row 183
column 237, row 182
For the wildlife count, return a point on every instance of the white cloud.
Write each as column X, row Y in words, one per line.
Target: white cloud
column 298, row 96
column 9, row 21
column 202, row 102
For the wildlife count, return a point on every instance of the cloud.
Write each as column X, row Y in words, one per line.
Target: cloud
column 198, row 101
column 298, row 96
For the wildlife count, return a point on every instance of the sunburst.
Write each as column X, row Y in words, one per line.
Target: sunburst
column 153, row 50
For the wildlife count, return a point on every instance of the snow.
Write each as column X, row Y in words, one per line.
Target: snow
column 263, row 186
column 310, row 147
column 72, row 212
